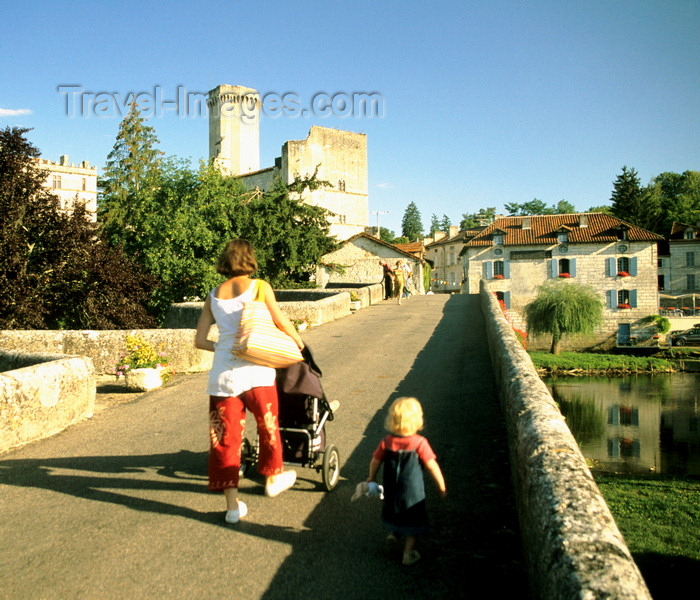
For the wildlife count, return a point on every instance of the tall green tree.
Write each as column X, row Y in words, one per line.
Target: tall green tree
column 632, row 202
column 411, row 225
column 445, row 223
column 564, row 308
column 131, row 175
column 434, row 224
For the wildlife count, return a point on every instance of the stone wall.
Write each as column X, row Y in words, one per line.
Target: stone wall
column 42, row 394
column 105, row 347
column 572, row 545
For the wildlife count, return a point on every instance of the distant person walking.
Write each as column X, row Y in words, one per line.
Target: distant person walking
column 404, row 454
column 388, row 280
column 236, row 384
column 400, row 276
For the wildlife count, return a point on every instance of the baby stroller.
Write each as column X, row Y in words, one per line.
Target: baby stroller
column 303, row 413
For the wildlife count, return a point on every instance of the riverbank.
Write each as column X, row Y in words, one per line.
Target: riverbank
column 580, row 363
column 658, row 518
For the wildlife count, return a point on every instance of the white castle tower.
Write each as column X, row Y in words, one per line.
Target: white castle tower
column 234, row 129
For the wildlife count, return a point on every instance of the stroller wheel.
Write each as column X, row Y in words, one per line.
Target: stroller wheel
column 331, row 467
column 247, row 457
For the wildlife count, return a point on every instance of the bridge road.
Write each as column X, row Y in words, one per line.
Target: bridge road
column 117, row 507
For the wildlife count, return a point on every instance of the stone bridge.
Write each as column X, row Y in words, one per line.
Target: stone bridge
column 117, row 505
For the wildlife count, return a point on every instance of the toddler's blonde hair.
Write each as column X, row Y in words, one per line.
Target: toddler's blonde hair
column 405, row 416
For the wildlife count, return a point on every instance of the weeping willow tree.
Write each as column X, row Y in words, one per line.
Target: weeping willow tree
column 563, row 308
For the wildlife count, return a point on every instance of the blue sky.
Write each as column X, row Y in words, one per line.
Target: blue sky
column 484, row 102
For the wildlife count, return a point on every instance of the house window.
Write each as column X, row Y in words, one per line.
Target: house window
column 690, row 259
column 498, row 239
column 56, row 182
column 660, row 263
column 498, row 267
column 622, row 234
column 690, row 282
column 563, row 237
column 621, row 298
column 662, row 282
column 564, row 266
column 623, row 264
column 689, row 234
column 503, row 297
column 452, row 258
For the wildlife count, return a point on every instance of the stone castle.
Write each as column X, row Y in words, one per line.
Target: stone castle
column 341, row 158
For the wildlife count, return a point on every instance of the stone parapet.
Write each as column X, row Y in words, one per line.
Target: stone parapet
column 42, row 394
column 105, row 347
column 572, row 545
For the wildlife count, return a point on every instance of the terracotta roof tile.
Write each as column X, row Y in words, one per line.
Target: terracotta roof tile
column 543, row 229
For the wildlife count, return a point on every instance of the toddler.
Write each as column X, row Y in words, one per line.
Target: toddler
column 404, row 454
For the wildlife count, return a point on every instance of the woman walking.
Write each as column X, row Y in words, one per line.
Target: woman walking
column 236, row 384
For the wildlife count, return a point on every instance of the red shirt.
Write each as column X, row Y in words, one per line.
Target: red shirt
column 412, row 442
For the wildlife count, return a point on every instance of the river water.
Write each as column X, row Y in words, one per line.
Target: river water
column 634, row 424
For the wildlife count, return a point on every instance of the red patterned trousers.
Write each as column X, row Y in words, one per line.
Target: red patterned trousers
column 227, row 426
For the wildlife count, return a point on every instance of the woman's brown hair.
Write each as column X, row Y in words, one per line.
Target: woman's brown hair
column 237, row 258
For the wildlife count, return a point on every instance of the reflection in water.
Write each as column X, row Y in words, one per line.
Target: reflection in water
column 637, row 423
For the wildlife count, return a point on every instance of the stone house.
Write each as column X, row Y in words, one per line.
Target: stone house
column 679, row 269
column 618, row 259
column 71, row 183
column 443, row 251
column 358, row 260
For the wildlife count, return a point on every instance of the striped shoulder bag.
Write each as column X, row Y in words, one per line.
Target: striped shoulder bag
column 259, row 340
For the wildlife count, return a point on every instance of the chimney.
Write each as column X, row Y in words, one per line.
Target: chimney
column 583, row 221
column 63, row 161
column 454, row 230
column 526, row 223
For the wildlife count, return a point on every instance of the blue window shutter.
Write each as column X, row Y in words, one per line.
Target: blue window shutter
column 553, row 268
column 572, row 267
column 488, row 265
column 633, row 266
column 506, row 269
column 506, row 299
column 611, row 267
column 612, row 298
column 633, row 298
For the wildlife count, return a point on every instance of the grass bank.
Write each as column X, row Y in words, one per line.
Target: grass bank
column 658, row 518
column 580, row 363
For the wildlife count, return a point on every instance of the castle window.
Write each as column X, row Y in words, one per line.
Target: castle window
column 341, row 185
column 84, row 184
column 56, row 182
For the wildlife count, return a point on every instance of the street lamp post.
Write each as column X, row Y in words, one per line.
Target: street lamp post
column 379, row 212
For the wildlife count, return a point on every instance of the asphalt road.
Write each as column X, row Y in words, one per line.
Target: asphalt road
column 117, row 506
